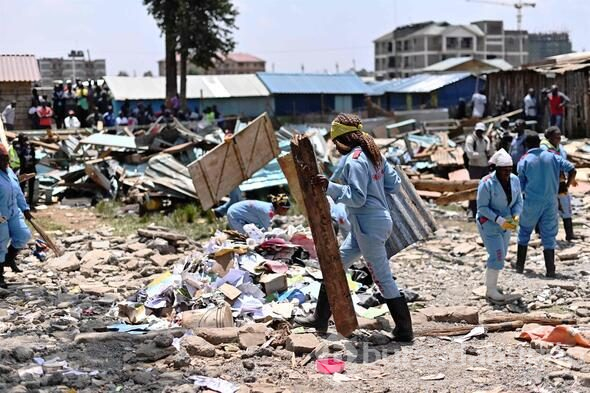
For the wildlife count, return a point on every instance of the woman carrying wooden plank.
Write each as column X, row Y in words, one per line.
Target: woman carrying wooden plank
column 365, row 179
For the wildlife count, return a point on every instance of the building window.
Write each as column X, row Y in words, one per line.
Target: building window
column 407, row 45
column 398, row 46
column 390, row 47
column 452, row 43
column 490, row 57
column 406, row 62
column 391, row 62
column 466, row 43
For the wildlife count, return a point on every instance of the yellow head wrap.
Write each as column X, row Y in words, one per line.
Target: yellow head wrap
column 341, row 129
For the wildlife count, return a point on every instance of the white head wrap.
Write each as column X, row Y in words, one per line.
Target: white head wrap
column 501, row 158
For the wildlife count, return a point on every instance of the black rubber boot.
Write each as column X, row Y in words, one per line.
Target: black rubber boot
column 321, row 316
column 568, row 225
column 10, row 260
column 549, row 256
column 520, row 258
column 400, row 313
column 2, row 282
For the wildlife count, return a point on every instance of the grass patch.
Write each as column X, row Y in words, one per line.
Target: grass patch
column 188, row 219
column 48, row 224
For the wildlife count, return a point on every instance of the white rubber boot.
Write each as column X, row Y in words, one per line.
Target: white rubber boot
column 492, row 286
column 492, row 292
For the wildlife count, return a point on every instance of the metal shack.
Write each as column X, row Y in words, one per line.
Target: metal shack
column 233, row 95
column 18, row 73
column 424, row 91
column 301, row 94
column 570, row 72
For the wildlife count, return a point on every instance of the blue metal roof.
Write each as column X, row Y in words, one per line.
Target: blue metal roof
column 420, row 83
column 313, row 83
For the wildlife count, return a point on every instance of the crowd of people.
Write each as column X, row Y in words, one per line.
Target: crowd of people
column 88, row 104
column 525, row 187
column 533, row 107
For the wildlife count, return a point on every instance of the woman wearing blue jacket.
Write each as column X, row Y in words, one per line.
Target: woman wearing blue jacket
column 13, row 206
column 499, row 204
column 365, row 178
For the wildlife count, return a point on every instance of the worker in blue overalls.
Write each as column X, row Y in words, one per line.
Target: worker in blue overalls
column 366, row 179
column 552, row 143
column 499, row 204
column 538, row 172
column 257, row 212
column 14, row 233
column 234, row 197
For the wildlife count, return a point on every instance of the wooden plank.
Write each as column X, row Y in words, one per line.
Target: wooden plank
column 498, row 118
column 58, row 251
column 48, row 146
column 288, row 167
column 466, row 195
column 320, row 223
column 445, row 185
column 225, row 167
column 96, row 175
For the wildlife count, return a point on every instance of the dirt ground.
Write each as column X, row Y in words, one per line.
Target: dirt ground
column 44, row 310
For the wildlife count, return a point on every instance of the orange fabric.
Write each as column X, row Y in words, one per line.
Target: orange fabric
column 554, row 334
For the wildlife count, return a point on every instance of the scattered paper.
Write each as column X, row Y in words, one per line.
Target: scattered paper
column 216, row 384
column 435, row 377
column 478, row 331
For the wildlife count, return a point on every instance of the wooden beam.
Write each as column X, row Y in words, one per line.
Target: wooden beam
column 320, row 223
column 288, row 167
column 528, row 318
column 498, row 118
column 444, row 185
column 467, row 195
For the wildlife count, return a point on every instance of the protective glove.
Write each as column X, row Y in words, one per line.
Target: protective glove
column 505, row 224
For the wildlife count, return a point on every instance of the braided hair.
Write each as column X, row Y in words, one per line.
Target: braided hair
column 359, row 138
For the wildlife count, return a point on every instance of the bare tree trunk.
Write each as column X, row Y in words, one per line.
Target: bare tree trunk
column 171, row 86
column 183, row 66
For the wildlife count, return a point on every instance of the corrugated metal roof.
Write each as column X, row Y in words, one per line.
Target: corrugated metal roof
column 19, row 68
column 500, row 64
column 211, row 86
column 412, row 218
column 447, row 64
column 421, row 83
column 313, row 83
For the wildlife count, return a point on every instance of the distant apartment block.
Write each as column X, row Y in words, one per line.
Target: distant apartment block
column 542, row 45
column 53, row 69
column 409, row 49
column 233, row 63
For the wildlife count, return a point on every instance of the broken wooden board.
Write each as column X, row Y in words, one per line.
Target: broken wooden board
column 320, row 223
column 96, row 175
column 288, row 167
column 225, row 167
column 466, row 195
column 58, row 251
column 445, row 185
column 412, row 220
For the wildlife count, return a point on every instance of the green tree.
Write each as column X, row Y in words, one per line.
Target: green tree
column 202, row 33
column 165, row 14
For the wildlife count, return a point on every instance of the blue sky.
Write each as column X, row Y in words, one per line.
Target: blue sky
column 286, row 33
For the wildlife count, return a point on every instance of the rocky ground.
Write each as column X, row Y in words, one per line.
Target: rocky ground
column 53, row 317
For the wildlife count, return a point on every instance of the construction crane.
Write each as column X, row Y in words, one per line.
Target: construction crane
column 519, row 5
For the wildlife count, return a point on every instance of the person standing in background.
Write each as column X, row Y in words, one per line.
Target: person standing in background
column 8, row 116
